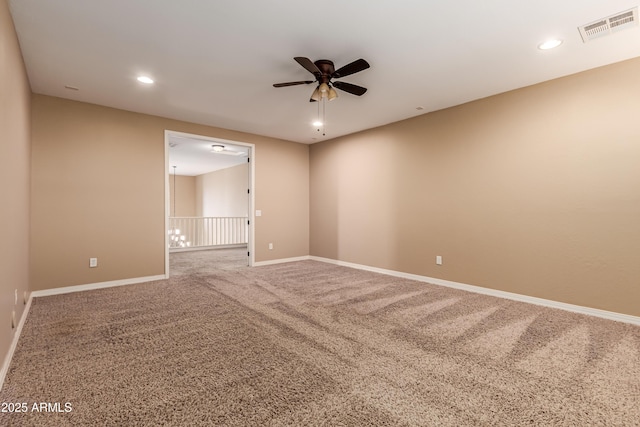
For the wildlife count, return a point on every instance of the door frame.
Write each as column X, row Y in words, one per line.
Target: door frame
column 167, row 208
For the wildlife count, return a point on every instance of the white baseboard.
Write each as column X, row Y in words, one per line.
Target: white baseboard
column 100, row 285
column 14, row 342
column 610, row 315
column 281, row 260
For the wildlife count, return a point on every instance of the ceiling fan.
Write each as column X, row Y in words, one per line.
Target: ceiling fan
column 324, row 71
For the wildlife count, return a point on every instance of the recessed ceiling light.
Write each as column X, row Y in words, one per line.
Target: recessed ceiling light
column 145, row 80
column 217, row 148
column 549, row 44
column 317, row 123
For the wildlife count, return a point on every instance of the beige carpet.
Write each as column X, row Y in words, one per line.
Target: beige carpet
column 309, row 343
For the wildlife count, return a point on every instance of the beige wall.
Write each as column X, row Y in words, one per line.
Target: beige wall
column 282, row 222
column 535, row 191
column 15, row 149
column 185, row 204
column 223, row 192
column 80, row 211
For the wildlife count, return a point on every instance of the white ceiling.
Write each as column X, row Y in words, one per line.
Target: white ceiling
column 192, row 155
column 214, row 62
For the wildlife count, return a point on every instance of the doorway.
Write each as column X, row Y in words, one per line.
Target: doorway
column 204, row 158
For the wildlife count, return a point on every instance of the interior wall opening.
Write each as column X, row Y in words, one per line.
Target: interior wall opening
column 209, row 194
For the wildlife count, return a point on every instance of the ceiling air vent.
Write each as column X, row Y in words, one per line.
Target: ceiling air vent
column 609, row 25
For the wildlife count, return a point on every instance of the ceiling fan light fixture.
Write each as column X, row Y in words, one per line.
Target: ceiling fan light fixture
column 217, row 148
column 324, row 89
column 316, row 96
column 332, row 94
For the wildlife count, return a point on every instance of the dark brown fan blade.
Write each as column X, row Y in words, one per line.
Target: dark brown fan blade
column 309, row 65
column 306, row 82
column 348, row 87
column 355, row 67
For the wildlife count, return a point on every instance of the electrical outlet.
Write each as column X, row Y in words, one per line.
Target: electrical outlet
column 93, row 262
column 439, row 260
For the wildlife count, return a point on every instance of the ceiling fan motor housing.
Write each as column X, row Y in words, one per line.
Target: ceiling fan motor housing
column 327, row 68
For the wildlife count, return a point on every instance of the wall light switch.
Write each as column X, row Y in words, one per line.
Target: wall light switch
column 439, row 260
column 270, row 246
column 258, row 212
column 93, row 262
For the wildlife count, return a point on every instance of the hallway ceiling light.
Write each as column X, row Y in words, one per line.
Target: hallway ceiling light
column 217, row 148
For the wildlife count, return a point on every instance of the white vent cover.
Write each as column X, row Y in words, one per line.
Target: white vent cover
column 609, row 25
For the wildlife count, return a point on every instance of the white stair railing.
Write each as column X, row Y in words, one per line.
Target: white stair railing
column 190, row 232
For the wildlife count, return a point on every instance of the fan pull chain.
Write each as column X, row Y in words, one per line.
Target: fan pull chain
column 324, row 117
column 319, row 117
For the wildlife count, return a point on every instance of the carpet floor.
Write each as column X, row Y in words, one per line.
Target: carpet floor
column 313, row 344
